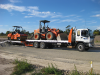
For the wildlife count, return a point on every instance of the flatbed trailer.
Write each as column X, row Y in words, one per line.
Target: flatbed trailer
column 82, row 40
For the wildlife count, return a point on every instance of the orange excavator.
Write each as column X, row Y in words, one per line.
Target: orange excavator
column 44, row 32
column 17, row 34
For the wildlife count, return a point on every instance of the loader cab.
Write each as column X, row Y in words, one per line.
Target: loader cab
column 42, row 27
column 17, row 29
column 85, row 36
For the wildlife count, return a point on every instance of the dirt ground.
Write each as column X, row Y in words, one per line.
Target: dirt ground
column 6, row 66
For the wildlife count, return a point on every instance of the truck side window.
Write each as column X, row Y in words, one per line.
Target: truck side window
column 78, row 33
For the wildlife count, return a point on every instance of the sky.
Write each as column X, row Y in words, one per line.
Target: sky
column 61, row 13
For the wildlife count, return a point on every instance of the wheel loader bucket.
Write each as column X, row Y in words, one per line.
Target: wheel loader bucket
column 62, row 36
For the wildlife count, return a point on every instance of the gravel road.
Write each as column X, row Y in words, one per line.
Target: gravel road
column 64, row 58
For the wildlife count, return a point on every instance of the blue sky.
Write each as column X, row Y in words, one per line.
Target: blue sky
column 27, row 13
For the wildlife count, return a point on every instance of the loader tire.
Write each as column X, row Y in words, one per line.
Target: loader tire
column 49, row 36
column 36, row 36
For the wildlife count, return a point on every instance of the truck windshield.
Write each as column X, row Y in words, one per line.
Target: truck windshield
column 91, row 33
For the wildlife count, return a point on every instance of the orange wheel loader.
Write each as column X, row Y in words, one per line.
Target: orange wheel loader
column 17, row 34
column 44, row 32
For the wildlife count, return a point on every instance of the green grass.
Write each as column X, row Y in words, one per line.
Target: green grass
column 22, row 67
column 51, row 70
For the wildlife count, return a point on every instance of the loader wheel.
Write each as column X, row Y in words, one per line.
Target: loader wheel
column 49, row 36
column 36, row 36
column 80, row 47
column 9, row 38
column 18, row 38
column 36, row 44
column 42, row 45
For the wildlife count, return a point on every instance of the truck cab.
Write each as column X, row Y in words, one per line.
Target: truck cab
column 84, row 39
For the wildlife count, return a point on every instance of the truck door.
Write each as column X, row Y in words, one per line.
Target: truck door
column 78, row 35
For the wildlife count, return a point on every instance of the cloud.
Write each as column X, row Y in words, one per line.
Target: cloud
column 97, row 15
column 54, row 20
column 98, row 27
column 11, row 7
column 32, row 10
column 1, row 25
column 82, row 10
column 55, row 16
column 14, row 1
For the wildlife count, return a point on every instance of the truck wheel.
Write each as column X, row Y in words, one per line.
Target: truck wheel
column 36, row 44
column 36, row 36
column 49, row 36
column 80, row 47
column 86, row 49
column 18, row 38
column 42, row 45
column 9, row 38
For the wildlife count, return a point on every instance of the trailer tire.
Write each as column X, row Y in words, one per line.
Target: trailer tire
column 9, row 38
column 80, row 47
column 36, row 36
column 49, row 36
column 36, row 44
column 42, row 45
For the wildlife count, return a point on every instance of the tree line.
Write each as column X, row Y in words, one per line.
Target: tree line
column 67, row 30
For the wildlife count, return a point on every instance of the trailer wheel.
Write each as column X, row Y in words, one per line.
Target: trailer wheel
column 18, row 38
column 9, row 38
column 80, row 47
column 36, row 45
column 42, row 45
column 36, row 36
column 49, row 36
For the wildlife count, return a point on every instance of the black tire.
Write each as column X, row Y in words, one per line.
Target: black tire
column 9, row 38
column 86, row 49
column 49, row 36
column 50, row 46
column 18, row 38
column 42, row 45
column 80, row 47
column 36, row 45
column 36, row 36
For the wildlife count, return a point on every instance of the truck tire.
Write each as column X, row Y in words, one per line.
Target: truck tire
column 42, row 45
column 18, row 38
column 36, row 45
column 36, row 36
column 80, row 47
column 9, row 38
column 49, row 36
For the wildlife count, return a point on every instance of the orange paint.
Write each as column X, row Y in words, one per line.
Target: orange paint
column 70, row 36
